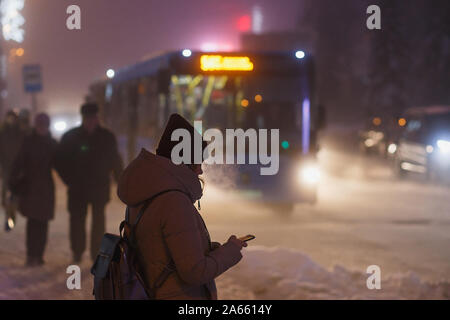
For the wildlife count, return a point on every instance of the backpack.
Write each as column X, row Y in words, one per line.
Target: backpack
column 117, row 274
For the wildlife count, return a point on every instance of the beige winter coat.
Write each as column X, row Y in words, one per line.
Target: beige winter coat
column 172, row 228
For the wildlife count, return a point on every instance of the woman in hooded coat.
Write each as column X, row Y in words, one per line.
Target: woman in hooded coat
column 171, row 231
column 31, row 180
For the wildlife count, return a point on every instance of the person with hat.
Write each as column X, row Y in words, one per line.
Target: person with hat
column 174, row 249
column 32, row 183
column 86, row 158
column 11, row 138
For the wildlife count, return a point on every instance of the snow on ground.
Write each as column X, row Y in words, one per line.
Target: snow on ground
column 46, row 282
column 284, row 274
column 263, row 273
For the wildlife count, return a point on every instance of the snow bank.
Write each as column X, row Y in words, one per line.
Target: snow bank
column 279, row 273
column 263, row 273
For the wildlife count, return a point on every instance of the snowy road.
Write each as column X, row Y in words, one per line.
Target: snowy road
column 364, row 217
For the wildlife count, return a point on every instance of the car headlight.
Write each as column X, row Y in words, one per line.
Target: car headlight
column 392, row 148
column 444, row 146
column 309, row 174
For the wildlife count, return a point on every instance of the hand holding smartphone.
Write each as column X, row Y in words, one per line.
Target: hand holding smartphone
column 247, row 238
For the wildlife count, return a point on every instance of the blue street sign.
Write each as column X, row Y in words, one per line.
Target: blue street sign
column 32, row 78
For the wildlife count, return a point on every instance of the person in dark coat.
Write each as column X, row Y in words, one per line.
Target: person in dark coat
column 24, row 121
column 172, row 232
column 11, row 137
column 32, row 182
column 87, row 156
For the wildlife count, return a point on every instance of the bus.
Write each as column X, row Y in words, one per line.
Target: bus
column 223, row 90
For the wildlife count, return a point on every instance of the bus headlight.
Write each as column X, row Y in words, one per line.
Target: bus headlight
column 444, row 146
column 309, row 174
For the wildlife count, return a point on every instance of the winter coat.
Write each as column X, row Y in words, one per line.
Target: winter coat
column 11, row 138
column 85, row 162
column 171, row 229
column 32, row 169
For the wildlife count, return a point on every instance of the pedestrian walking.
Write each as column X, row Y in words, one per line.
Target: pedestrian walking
column 86, row 158
column 32, row 183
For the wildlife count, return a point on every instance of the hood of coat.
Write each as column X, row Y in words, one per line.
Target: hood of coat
column 150, row 174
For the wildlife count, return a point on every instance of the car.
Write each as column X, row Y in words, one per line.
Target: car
column 424, row 146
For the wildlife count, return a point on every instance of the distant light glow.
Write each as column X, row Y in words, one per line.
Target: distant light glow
column 257, row 19
column 402, row 122
column 215, row 47
column 258, row 98
column 376, row 121
column 299, row 54
column 11, row 19
column 369, row 143
column 244, row 103
column 285, row 144
column 20, row 52
column 210, row 47
column 110, row 73
column 429, row 149
column 11, row 223
column 108, row 92
column 244, row 23
column 225, row 63
column 376, row 135
column 60, row 126
column 306, row 125
column 186, row 53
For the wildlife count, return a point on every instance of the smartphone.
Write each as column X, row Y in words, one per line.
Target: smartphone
column 247, row 237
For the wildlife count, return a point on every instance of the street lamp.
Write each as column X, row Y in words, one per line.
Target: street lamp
column 186, row 53
column 11, row 19
column 110, row 73
column 299, row 54
column 20, row 52
column 11, row 22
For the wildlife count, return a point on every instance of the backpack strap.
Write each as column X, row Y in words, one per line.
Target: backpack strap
column 168, row 269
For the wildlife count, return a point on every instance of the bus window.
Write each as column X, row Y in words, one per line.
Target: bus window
column 279, row 104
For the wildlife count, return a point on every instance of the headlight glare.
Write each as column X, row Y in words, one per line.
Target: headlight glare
column 309, row 174
column 444, row 146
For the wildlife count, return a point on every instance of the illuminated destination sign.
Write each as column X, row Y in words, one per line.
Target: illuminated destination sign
column 225, row 63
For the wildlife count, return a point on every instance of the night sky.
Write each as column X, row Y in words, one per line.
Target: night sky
column 120, row 32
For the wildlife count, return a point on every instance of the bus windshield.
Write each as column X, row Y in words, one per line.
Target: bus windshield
column 274, row 102
column 242, row 101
